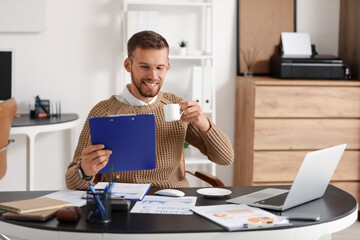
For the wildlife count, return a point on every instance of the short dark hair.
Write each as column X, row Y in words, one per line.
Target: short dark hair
column 146, row 40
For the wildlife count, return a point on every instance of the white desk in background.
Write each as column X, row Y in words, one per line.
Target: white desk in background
column 32, row 127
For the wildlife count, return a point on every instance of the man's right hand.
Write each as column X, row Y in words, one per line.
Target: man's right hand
column 94, row 158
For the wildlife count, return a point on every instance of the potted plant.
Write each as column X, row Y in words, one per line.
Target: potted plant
column 183, row 47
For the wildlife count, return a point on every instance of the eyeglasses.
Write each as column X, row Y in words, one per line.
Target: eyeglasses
column 161, row 69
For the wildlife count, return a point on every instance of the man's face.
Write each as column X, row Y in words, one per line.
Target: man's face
column 148, row 69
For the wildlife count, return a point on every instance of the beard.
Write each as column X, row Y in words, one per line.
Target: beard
column 142, row 92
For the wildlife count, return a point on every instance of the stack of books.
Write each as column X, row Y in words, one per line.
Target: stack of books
column 36, row 209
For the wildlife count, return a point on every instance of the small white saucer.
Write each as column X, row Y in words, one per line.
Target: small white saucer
column 213, row 192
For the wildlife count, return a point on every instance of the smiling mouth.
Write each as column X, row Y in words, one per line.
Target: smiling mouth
column 150, row 84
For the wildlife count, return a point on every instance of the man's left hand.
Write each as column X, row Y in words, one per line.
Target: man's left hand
column 192, row 112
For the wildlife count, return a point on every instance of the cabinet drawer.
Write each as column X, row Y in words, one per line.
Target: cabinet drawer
column 283, row 166
column 305, row 134
column 308, row 102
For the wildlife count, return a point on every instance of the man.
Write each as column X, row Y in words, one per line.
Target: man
column 148, row 65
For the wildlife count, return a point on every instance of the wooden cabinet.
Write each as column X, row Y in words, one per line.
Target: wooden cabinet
column 278, row 121
column 349, row 35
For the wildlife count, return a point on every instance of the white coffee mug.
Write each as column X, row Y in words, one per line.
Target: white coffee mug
column 172, row 112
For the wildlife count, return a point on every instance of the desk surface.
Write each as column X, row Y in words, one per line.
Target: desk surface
column 336, row 204
column 25, row 121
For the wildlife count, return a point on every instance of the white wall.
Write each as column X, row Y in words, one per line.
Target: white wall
column 225, row 73
column 77, row 60
column 320, row 18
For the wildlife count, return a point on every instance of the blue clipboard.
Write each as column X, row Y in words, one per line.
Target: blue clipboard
column 131, row 139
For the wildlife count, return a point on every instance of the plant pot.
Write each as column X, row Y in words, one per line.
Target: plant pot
column 183, row 51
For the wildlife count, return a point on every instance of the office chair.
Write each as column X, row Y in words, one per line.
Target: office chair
column 208, row 178
column 7, row 113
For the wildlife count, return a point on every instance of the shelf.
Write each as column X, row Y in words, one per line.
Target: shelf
column 170, row 3
column 171, row 14
column 190, row 57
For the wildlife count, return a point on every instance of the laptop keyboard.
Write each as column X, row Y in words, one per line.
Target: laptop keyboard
column 277, row 200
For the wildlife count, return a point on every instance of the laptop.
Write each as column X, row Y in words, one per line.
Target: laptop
column 310, row 183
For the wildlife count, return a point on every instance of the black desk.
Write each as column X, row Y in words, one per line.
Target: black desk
column 25, row 121
column 32, row 127
column 337, row 210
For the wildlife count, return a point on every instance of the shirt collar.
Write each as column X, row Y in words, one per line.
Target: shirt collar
column 126, row 97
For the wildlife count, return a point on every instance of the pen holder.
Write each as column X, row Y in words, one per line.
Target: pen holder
column 98, row 206
column 40, row 110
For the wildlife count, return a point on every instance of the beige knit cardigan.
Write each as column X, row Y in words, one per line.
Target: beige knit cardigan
column 170, row 137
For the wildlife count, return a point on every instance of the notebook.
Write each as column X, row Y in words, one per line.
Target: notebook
column 33, row 205
column 33, row 216
column 310, row 183
column 131, row 138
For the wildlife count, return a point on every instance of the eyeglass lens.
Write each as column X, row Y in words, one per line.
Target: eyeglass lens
column 146, row 68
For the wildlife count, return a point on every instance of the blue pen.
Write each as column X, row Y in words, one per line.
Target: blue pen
column 111, row 187
column 105, row 195
column 98, row 202
column 108, row 189
column 41, row 104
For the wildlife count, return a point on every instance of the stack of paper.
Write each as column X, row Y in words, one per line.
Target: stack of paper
column 72, row 196
column 296, row 44
column 129, row 191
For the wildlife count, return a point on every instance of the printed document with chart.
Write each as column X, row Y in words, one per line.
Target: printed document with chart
column 237, row 216
column 165, row 205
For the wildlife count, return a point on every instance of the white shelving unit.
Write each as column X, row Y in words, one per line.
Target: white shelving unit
column 201, row 57
column 189, row 20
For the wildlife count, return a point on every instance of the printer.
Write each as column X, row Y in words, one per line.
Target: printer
column 308, row 67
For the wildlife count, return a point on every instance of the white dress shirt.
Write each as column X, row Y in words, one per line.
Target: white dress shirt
column 126, row 97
